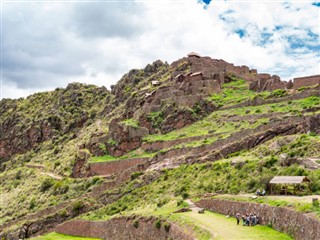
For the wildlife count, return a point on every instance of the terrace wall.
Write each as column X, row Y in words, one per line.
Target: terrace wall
column 123, row 229
column 300, row 226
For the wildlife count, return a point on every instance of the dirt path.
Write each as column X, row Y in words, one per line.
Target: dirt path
column 222, row 227
column 55, row 176
column 41, row 167
column 226, row 228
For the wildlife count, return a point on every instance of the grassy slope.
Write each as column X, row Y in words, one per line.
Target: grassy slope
column 253, row 170
column 244, row 173
column 28, row 189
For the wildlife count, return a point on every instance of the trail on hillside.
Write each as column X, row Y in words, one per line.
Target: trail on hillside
column 41, row 167
column 226, row 228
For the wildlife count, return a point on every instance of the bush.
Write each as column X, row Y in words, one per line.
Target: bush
column 77, row 206
column 135, row 175
column 166, row 226
column 157, row 224
column 64, row 213
column 46, row 184
column 60, row 188
column 136, row 223
column 32, row 203
column 270, row 162
column 279, row 93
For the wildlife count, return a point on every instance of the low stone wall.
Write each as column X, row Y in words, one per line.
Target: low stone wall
column 124, row 229
column 296, row 224
column 108, row 168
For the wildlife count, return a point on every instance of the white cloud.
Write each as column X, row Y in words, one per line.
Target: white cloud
column 48, row 45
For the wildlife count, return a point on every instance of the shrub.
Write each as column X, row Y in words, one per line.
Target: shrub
column 60, row 188
column 77, row 206
column 32, row 203
column 136, row 223
column 64, row 213
column 46, row 184
column 157, row 224
column 166, row 226
column 270, row 162
column 162, row 202
column 279, row 93
column 156, row 118
column 135, row 175
column 315, row 203
column 18, row 175
column 185, row 195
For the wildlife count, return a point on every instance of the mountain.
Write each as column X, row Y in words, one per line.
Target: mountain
column 194, row 128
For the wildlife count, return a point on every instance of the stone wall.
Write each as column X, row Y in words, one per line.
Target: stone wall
column 296, row 224
column 306, row 81
column 123, row 229
column 108, row 168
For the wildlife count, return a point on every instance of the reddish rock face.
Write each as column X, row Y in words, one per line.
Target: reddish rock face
column 123, row 139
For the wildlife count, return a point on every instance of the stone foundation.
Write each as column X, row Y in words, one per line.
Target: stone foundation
column 299, row 225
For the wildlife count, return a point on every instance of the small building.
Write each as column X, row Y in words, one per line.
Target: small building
column 289, row 184
column 193, row 54
column 179, row 78
column 150, row 94
column 196, row 76
column 155, row 83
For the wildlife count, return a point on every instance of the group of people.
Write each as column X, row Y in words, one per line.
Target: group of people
column 248, row 219
column 258, row 193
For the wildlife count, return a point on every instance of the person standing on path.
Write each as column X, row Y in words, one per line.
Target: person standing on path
column 238, row 218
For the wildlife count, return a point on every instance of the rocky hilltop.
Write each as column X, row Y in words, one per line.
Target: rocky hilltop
column 88, row 151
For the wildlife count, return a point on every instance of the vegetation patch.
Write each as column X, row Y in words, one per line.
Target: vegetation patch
column 59, row 236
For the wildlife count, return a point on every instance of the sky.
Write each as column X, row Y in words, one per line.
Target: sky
column 48, row 44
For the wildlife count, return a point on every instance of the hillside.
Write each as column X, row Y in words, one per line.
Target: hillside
column 198, row 128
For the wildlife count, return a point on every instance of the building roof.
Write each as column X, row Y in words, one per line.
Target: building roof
column 193, row 54
column 180, row 74
column 155, row 82
column 289, row 179
column 196, row 73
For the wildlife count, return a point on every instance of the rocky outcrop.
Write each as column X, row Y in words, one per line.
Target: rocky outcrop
column 124, row 138
column 26, row 123
column 299, row 225
column 122, row 228
column 265, row 82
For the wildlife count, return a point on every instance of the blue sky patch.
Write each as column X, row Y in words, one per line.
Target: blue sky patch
column 240, row 32
column 265, row 38
column 207, row 2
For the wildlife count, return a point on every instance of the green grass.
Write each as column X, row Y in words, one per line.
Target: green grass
column 59, row 236
column 233, row 93
column 242, row 173
column 131, row 122
column 138, row 153
column 211, row 124
column 226, row 228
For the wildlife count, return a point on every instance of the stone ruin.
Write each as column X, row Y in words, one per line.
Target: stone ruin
column 207, row 75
